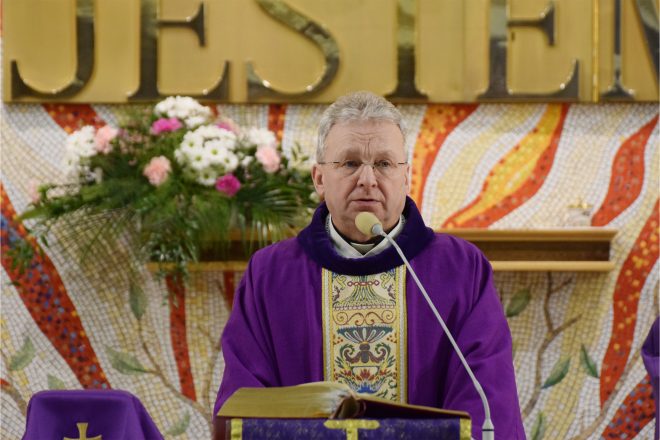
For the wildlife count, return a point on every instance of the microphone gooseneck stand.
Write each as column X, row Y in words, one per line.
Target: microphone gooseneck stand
column 369, row 225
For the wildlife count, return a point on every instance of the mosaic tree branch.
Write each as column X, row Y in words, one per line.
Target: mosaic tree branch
column 553, row 333
column 208, row 377
column 158, row 372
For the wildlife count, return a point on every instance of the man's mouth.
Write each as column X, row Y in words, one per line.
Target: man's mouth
column 365, row 201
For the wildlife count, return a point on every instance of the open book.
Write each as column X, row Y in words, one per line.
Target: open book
column 322, row 400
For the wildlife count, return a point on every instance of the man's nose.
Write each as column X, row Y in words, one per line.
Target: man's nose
column 366, row 175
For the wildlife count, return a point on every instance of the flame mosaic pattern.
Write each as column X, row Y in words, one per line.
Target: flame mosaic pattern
column 627, row 176
column 43, row 292
column 439, row 121
column 518, row 176
column 627, row 293
column 519, row 164
column 636, row 411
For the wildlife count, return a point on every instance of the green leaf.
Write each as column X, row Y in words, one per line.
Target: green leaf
column 518, row 303
column 538, row 431
column 55, row 383
column 137, row 300
column 558, row 373
column 180, row 427
column 588, row 363
column 23, row 357
column 125, row 363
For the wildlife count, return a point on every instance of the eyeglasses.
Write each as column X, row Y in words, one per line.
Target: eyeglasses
column 348, row 167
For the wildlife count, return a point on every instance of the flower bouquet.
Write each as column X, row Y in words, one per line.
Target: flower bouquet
column 176, row 182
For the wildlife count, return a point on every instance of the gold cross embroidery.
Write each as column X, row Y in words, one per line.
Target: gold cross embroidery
column 351, row 426
column 82, row 432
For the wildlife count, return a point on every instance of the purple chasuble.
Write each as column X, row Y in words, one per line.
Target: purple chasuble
column 274, row 335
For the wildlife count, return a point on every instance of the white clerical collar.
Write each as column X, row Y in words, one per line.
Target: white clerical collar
column 358, row 250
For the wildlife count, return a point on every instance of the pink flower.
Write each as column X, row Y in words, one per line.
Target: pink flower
column 103, row 137
column 157, row 170
column 269, row 159
column 228, row 184
column 228, row 124
column 165, row 124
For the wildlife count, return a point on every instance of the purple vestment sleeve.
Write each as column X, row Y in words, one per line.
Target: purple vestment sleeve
column 459, row 281
column 273, row 336
column 249, row 361
column 484, row 338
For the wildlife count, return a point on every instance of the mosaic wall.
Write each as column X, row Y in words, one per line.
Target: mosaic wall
column 576, row 335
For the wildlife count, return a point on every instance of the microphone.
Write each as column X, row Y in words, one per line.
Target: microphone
column 368, row 224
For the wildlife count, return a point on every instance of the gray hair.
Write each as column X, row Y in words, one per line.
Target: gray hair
column 358, row 106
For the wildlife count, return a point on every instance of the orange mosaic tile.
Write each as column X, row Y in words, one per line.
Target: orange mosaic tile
column 635, row 270
column 636, row 411
column 178, row 334
column 72, row 117
column 276, row 115
column 627, row 176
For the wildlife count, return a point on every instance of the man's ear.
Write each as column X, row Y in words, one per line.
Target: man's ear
column 317, row 178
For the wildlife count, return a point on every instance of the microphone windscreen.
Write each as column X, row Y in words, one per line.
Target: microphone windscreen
column 365, row 221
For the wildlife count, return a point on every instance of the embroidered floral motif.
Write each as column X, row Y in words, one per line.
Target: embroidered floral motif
column 364, row 332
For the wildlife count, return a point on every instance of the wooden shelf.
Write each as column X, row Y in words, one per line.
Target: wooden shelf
column 552, row 266
column 565, row 250
column 549, row 235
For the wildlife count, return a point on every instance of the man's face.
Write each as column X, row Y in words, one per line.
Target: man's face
column 349, row 187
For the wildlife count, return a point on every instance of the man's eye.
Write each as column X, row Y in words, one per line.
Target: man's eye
column 351, row 164
column 383, row 164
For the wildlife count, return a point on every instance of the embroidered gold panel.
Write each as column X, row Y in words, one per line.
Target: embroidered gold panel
column 364, row 332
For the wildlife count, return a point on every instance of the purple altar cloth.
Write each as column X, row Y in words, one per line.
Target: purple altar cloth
column 111, row 414
column 651, row 357
column 387, row 429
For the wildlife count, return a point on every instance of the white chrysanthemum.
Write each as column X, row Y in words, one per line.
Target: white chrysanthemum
column 78, row 148
column 196, row 121
column 192, row 140
column 247, row 160
column 230, row 162
column 207, row 152
column 199, row 161
column 216, row 152
column 184, row 108
column 261, row 137
column 207, row 177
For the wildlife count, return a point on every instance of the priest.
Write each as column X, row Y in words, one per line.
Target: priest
column 333, row 304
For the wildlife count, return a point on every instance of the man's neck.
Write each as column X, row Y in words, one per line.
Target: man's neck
column 373, row 240
column 351, row 249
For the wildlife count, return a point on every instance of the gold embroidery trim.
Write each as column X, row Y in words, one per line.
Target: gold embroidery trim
column 364, row 336
column 465, row 429
column 236, row 429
